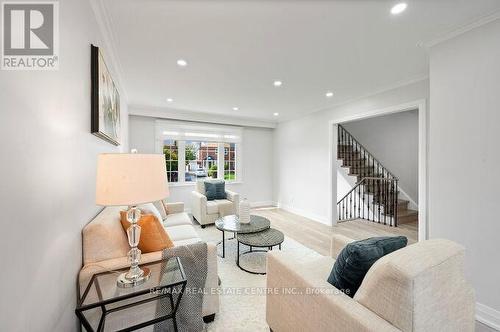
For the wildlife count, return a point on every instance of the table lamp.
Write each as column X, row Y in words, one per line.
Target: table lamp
column 131, row 179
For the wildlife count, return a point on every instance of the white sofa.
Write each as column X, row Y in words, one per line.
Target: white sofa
column 418, row 288
column 105, row 247
column 206, row 212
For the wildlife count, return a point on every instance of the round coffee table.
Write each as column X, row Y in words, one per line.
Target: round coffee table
column 232, row 224
column 264, row 239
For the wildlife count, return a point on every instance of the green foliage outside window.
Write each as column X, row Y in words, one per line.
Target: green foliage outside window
column 171, row 158
column 190, row 153
column 212, row 171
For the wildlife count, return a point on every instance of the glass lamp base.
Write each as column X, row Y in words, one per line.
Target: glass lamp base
column 125, row 282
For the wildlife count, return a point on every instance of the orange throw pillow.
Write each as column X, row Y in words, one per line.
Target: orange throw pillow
column 153, row 235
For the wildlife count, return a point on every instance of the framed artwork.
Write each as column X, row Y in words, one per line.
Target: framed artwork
column 105, row 103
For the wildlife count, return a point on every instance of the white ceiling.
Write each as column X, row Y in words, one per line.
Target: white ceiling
column 236, row 49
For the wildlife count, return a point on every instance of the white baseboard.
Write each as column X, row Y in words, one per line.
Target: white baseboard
column 305, row 214
column 488, row 316
column 262, row 204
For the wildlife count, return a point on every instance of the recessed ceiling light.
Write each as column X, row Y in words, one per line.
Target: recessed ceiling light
column 170, row 100
column 276, row 114
column 182, row 63
column 329, row 94
column 398, row 8
column 235, row 108
column 277, row 83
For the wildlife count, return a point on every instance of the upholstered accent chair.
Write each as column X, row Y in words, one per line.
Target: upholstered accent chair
column 421, row 288
column 206, row 212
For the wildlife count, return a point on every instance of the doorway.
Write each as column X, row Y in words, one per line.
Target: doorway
column 411, row 193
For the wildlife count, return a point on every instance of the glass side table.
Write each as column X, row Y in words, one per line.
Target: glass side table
column 106, row 307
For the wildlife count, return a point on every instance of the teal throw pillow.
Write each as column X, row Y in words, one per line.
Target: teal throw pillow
column 357, row 257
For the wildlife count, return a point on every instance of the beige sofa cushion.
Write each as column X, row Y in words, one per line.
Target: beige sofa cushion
column 177, row 219
column 181, row 232
column 186, row 241
column 161, row 209
column 104, row 238
column 420, row 288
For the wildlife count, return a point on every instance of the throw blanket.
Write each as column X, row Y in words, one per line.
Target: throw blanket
column 193, row 258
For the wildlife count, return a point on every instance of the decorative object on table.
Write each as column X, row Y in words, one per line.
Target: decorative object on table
column 194, row 262
column 105, row 104
column 244, row 216
column 264, row 239
column 103, row 302
column 233, row 225
column 356, row 259
column 131, row 179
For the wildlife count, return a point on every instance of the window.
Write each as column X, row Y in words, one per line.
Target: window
column 170, row 151
column 193, row 151
column 229, row 161
column 201, row 160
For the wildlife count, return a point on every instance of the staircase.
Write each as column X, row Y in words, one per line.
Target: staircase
column 374, row 197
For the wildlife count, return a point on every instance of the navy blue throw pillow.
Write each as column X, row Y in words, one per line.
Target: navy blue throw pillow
column 357, row 257
column 215, row 190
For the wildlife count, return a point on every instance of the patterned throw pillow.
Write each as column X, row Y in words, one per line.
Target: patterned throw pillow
column 357, row 257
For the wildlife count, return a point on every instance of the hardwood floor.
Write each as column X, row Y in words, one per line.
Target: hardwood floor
column 317, row 236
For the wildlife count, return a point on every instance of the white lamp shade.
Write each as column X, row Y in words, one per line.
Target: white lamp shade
column 130, row 179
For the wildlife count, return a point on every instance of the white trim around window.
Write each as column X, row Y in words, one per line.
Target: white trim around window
column 212, row 141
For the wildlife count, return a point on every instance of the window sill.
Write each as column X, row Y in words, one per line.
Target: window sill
column 192, row 184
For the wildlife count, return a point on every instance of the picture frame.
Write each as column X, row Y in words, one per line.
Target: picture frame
column 105, row 100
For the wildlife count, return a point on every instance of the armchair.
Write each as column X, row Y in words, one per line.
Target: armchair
column 206, row 212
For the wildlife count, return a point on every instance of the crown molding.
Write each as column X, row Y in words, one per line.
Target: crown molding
column 461, row 30
column 384, row 89
column 104, row 23
column 184, row 115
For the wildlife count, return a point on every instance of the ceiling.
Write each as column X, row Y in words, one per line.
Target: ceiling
column 235, row 50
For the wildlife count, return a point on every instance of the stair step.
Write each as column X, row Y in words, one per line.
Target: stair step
column 407, row 216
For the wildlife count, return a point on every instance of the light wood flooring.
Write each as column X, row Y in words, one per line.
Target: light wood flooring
column 317, row 236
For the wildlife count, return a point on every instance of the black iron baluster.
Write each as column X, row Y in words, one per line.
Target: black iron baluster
column 339, row 141
column 363, row 200
column 396, row 200
column 350, row 205
column 379, row 194
column 359, row 201
column 385, row 199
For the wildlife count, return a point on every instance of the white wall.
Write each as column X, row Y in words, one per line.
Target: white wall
column 48, row 171
column 393, row 140
column 464, row 153
column 302, row 151
column 257, row 158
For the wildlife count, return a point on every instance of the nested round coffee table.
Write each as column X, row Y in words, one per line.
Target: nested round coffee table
column 232, row 224
column 264, row 239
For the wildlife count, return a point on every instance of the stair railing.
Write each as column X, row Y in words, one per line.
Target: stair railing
column 375, row 195
column 372, row 198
